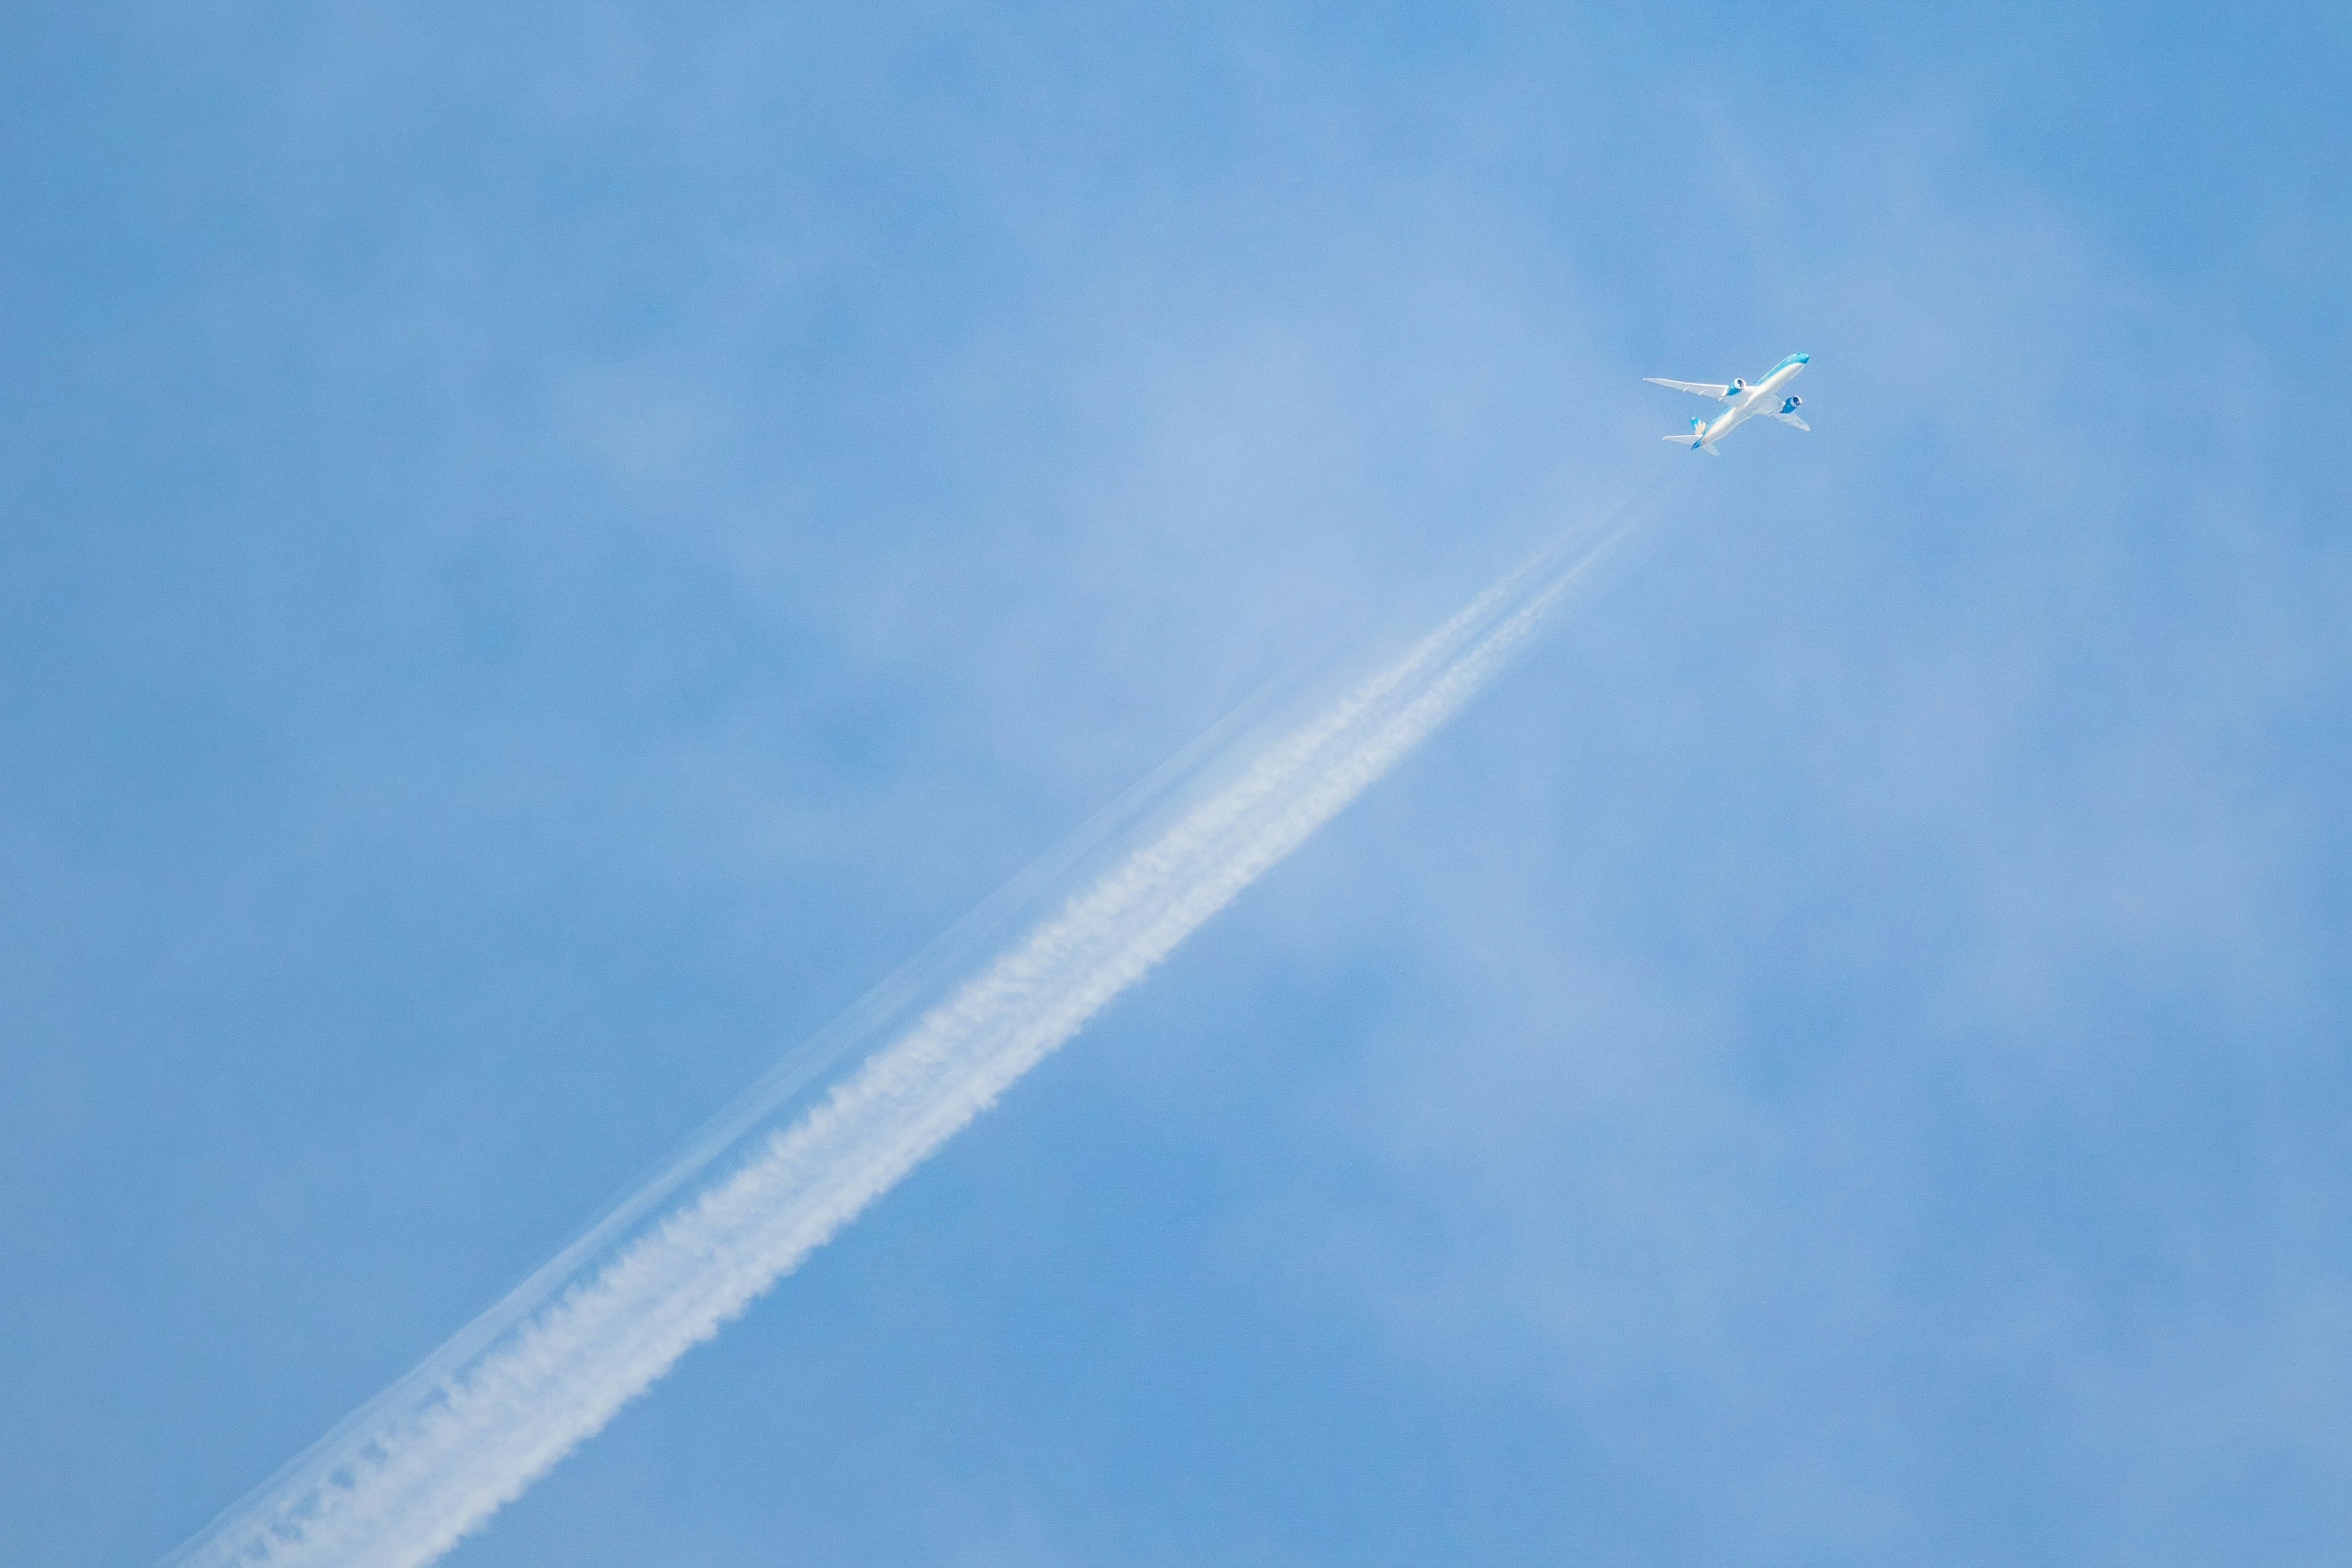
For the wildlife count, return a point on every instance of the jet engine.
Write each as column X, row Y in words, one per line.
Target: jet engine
column 1738, row 384
column 1791, row 405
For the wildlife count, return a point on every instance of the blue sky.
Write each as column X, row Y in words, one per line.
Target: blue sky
column 547, row 551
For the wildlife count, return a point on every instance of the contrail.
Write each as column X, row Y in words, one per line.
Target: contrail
column 435, row 1455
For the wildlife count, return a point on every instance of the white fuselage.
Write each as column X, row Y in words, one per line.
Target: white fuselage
column 1744, row 405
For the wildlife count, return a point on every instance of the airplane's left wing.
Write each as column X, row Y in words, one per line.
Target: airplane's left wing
column 1714, row 389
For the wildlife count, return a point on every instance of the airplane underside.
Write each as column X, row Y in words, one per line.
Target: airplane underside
column 1746, row 401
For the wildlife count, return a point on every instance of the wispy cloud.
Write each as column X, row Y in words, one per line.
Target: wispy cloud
column 434, row 1455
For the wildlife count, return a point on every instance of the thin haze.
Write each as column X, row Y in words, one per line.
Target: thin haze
column 437, row 1455
column 545, row 542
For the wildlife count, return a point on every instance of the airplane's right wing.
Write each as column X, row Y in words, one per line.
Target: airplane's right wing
column 1714, row 389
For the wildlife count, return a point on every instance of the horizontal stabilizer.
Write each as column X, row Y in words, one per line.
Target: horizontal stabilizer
column 1707, row 447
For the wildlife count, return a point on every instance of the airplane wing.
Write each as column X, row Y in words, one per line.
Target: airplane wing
column 1789, row 419
column 1714, row 389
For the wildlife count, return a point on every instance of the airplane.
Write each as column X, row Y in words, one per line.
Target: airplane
column 1745, row 402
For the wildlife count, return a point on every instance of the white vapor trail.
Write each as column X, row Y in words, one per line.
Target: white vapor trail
column 437, row 1455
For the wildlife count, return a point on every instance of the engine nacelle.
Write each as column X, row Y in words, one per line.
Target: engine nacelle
column 1791, row 404
column 1738, row 384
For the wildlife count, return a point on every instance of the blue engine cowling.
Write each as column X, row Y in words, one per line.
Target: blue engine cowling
column 1791, row 405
